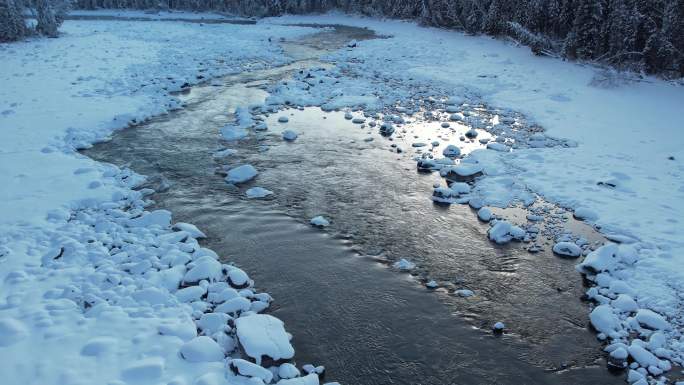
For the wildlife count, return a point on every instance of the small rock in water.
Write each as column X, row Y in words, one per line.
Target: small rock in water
column 319, row 221
column 432, row 284
column 289, row 135
column 258, row 192
column 464, row 293
column 451, row 151
column 386, row 129
column 472, row 133
column 241, row 174
column 404, row 264
column 283, row 119
column 498, row 327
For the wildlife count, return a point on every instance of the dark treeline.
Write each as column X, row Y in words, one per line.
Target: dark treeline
column 48, row 14
column 640, row 35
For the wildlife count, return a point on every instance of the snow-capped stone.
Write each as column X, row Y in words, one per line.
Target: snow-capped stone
column 503, row 232
column 348, row 115
column 485, row 214
column 451, row 151
column 444, row 195
column 498, row 327
column 211, row 323
column 241, row 174
column 310, row 369
column 567, row 249
column 625, row 303
column 287, row 370
column 238, row 278
column 159, row 218
column 642, row 356
column 584, row 213
column 431, row 284
column 404, row 264
column 652, row 320
column 190, row 229
column 257, row 192
column 283, row 119
column 263, row 335
column 190, row 293
column 319, row 221
column 248, row 369
column 289, row 135
column 202, row 349
column 205, row 268
column 602, row 259
column 464, row 293
column 234, row 306
column 309, row 379
column 498, row 147
column 604, row 320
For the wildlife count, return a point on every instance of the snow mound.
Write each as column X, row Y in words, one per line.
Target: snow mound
column 202, row 349
column 503, row 232
column 263, row 335
column 12, row 331
column 567, row 249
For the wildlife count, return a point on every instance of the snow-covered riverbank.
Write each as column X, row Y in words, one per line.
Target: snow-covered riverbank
column 625, row 175
column 86, row 276
column 90, row 280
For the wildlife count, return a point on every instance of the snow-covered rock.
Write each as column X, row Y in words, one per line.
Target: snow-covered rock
column 204, row 268
column 567, row 249
column 263, row 335
column 241, row 174
column 201, row 349
column 289, row 135
column 190, row 229
column 604, row 320
column 485, row 214
column 258, row 192
column 451, row 151
column 248, row 369
column 503, row 232
column 652, row 320
column 404, row 264
column 319, row 221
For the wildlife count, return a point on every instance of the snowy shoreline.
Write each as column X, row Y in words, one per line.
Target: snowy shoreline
column 613, row 184
column 39, row 216
column 109, row 292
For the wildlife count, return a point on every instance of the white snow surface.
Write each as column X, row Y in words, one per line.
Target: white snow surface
column 68, row 295
column 88, row 279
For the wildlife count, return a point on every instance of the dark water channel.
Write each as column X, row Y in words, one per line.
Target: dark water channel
column 367, row 323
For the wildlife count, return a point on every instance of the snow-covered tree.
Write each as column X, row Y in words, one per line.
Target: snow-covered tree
column 12, row 24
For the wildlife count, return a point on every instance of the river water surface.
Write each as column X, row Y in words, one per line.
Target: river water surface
column 347, row 310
